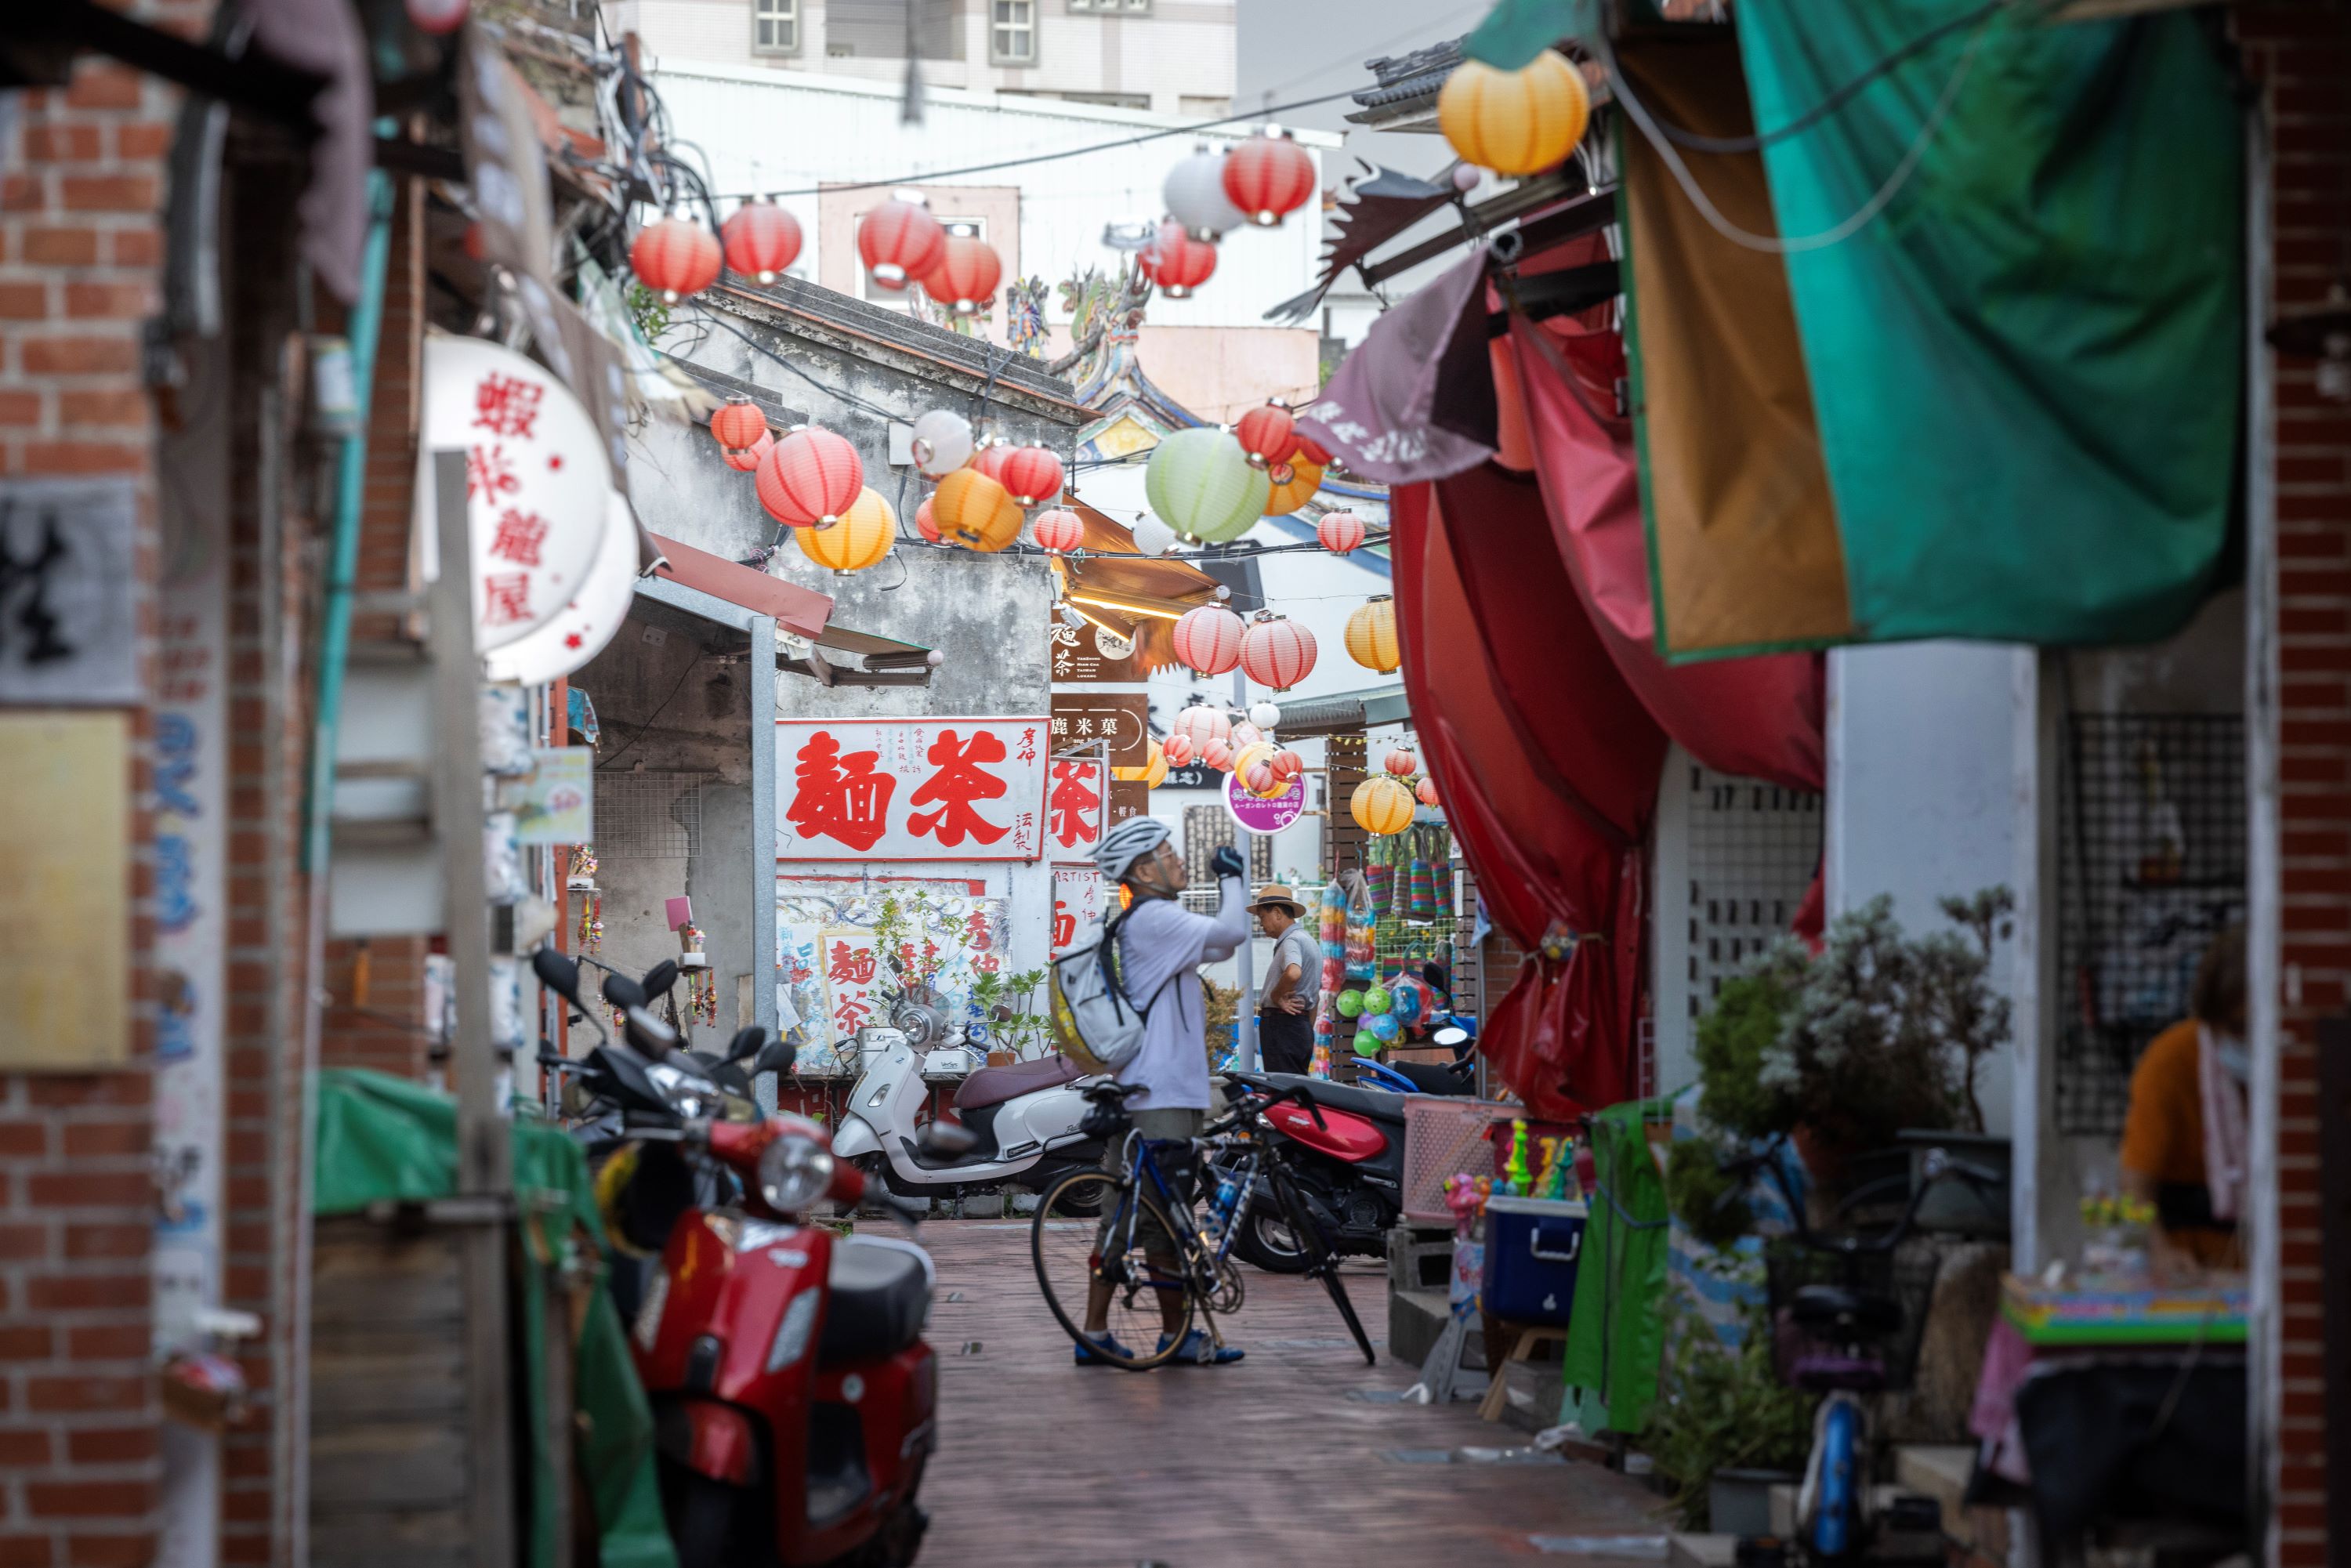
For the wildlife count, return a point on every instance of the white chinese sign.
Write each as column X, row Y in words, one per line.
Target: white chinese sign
column 1077, row 906
column 537, row 487
column 833, row 976
column 911, row 789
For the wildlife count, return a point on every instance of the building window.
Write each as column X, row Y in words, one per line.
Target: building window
column 1113, row 7
column 1013, row 39
column 776, row 27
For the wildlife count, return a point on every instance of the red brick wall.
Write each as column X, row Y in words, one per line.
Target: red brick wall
column 2302, row 53
column 80, row 242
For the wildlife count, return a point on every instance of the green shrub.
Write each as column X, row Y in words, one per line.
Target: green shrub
column 1724, row 1407
column 1711, row 1205
column 1749, row 1015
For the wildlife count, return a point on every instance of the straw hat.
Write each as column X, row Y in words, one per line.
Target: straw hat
column 1277, row 892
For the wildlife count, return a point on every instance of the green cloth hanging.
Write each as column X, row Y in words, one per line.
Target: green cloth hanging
column 1615, row 1332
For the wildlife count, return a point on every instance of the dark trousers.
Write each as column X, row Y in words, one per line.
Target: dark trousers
column 1285, row 1041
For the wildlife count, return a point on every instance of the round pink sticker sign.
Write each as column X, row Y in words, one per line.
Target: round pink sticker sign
column 1264, row 815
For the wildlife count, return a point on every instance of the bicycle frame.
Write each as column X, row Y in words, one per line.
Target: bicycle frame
column 1137, row 1158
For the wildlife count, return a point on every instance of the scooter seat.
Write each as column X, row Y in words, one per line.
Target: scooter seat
column 995, row 1085
column 1379, row 1104
column 880, row 1293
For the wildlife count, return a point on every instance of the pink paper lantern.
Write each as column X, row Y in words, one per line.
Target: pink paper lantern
column 1277, row 651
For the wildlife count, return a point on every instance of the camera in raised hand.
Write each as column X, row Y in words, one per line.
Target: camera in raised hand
column 1226, row 861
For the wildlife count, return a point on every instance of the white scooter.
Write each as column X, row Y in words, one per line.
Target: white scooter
column 1023, row 1119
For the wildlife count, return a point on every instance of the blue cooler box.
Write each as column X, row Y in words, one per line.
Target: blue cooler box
column 1531, row 1246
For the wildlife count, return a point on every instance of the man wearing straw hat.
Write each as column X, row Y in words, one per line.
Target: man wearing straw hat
column 1285, row 1020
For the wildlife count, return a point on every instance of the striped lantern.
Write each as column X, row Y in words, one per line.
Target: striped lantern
column 1246, row 735
column 810, row 478
column 1294, row 484
column 1253, row 766
column 942, row 442
column 1313, row 451
column 1426, row 793
column 1371, row 635
column 1203, row 724
column 739, row 425
column 1200, row 483
column 1515, row 123
column 925, row 524
column 1150, row 775
column 1208, row 642
column 1219, row 755
column 975, row 511
column 1269, row 176
column 900, row 241
column 1178, row 749
column 964, row 277
column 1340, row 532
column 1032, row 473
column 1402, row 763
column 1287, row 765
column 860, row 538
column 675, row 257
column 990, row 457
column 1176, row 260
column 1268, row 434
column 761, row 239
column 1277, row 651
column 748, row 460
column 1059, row 531
column 1381, row 806
column 1195, row 194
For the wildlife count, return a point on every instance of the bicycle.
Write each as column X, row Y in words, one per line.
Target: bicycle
column 1847, row 1327
column 1090, row 1232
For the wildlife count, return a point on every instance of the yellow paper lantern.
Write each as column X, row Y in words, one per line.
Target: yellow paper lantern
column 1150, row 775
column 1515, row 123
column 1287, row 495
column 862, row 536
column 1248, row 757
column 1381, row 806
column 975, row 511
column 1372, row 637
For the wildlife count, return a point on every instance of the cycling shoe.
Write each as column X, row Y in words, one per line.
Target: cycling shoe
column 1085, row 1355
column 1195, row 1352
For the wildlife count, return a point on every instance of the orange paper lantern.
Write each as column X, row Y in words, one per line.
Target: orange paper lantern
column 761, row 240
column 675, row 257
column 975, row 511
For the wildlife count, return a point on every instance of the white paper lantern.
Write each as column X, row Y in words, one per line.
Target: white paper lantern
column 539, row 486
column 942, row 442
column 581, row 629
column 1153, row 536
column 1195, row 194
column 1264, row 716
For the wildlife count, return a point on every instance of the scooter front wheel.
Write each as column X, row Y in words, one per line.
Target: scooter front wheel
column 1270, row 1241
column 711, row 1522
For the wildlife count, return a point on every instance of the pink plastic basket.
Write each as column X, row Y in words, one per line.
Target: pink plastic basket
column 1445, row 1136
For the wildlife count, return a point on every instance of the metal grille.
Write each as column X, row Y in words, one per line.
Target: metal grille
column 1207, row 829
column 1753, row 850
column 649, row 816
column 1260, row 852
column 2151, row 867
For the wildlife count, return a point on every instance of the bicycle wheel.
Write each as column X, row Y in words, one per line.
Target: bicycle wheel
column 1322, row 1261
column 1079, row 1254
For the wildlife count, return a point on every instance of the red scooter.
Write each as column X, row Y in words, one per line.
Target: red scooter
column 1347, row 1166
column 794, row 1398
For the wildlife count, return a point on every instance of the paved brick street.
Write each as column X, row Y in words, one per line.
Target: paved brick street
column 1270, row 1461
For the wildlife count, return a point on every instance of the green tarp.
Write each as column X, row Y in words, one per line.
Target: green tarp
column 384, row 1138
column 1616, row 1333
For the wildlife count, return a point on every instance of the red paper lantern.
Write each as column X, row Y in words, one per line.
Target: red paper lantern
column 1268, row 434
column 1340, row 532
column 762, row 239
column 1277, row 651
column 810, row 478
column 1060, row 531
column 438, row 16
column 1203, row 724
column 1177, row 749
column 1208, row 640
column 748, row 459
column 1426, row 792
column 1287, row 765
column 1219, row 755
column 675, row 257
column 1268, row 177
column 966, row 275
column 1403, row 763
column 738, row 425
column 1261, row 779
column 990, row 458
column 899, row 242
column 1176, row 261
column 925, row 524
column 1311, row 451
column 1032, row 473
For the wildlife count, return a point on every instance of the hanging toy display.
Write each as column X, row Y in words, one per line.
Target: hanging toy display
column 579, row 882
column 1420, row 880
column 1362, row 954
column 1383, row 1028
column 702, row 985
column 1379, row 876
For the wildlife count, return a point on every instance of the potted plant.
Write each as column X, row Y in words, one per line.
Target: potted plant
column 1726, row 1427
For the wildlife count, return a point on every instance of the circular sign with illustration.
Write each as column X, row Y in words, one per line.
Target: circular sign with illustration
column 1264, row 814
column 1111, row 645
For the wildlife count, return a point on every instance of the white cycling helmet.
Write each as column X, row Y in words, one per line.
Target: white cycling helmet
column 1128, row 842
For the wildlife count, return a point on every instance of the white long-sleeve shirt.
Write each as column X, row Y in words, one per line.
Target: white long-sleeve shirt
column 1161, row 944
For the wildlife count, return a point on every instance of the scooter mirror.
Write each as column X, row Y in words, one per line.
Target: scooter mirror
column 946, row 1140
column 648, row 1033
column 776, row 1056
column 1452, row 1035
column 558, row 972
column 623, row 992
column 746, row 1043
column 661, row 977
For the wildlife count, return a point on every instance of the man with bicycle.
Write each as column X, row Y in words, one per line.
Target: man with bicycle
column 1160, row 943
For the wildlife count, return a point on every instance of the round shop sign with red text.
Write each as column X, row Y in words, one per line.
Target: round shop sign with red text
column 1262, row 814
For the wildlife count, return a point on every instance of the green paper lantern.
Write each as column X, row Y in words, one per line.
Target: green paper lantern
column 1377, row 1000
column 1200, row 483
column 1350, row 1004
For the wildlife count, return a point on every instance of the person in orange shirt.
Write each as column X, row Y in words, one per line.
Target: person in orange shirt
column 2183, row 1143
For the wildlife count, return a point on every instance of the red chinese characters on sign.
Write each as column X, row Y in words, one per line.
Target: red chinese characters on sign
column 490, row 472
column 519, row 536
column 1077, row 905
column 847, row 963
column 507, row 405
column 919, row 790
column 505, row 598
column 963, row 780
column 1074, row 794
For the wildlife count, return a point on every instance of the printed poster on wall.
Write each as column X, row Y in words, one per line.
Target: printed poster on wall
column 1078, row 905
column 1077, row 797
column 911, row 789
column 844, row 946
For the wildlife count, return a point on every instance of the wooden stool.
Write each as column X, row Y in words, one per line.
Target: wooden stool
column 1524, row 1338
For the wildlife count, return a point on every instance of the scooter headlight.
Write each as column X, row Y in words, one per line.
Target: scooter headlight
column 794, row 1173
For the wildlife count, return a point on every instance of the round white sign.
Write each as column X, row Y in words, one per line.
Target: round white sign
column 538, row 483
column 581, row 628
column 1113, row 646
